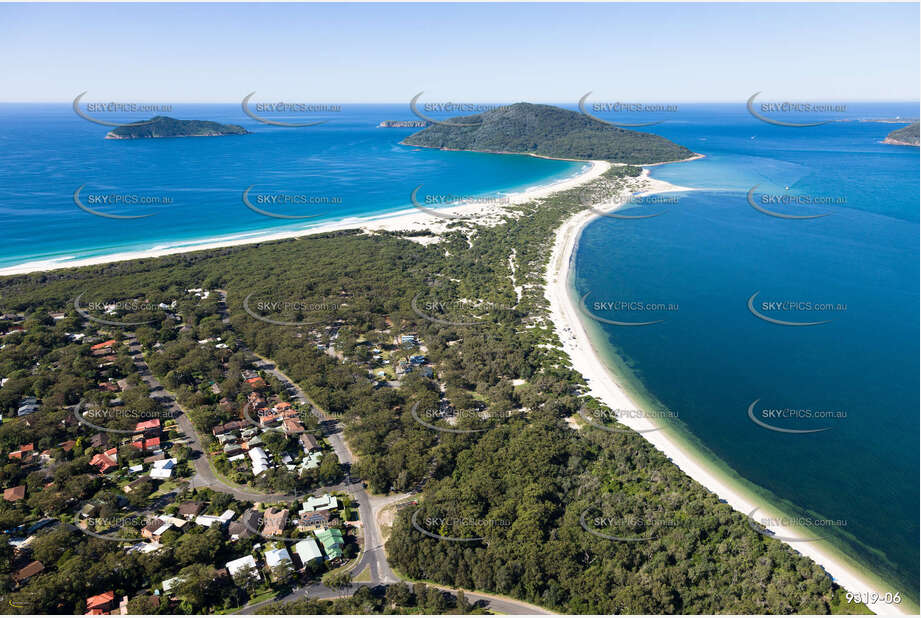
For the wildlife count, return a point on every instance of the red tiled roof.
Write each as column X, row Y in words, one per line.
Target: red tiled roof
column 102, row 345
column 100, row 601
column 15, row 493
column 153, row 423
column 103, row 462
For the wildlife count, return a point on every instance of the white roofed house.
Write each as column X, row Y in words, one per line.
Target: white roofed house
column 308, row 551
column 221, row 520
column 260, row 460
column 162, row 469
column 241, row 567
column 279, row 563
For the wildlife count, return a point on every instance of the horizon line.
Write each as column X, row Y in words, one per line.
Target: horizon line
column 465, row 102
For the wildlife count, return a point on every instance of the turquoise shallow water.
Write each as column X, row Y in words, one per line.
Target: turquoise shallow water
column 711, row 357
column 347, row 167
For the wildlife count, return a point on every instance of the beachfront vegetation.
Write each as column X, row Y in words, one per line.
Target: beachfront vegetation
column 525, row 477
column 548, row 131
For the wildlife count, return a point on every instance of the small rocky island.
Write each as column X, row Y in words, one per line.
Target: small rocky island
column 164, row 126
column 906, row 136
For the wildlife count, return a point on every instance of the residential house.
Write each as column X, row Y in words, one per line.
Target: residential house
column 277, row 557
column 308, row 442
column 242, row 567
column 316, row 519
column 149, row 427
column 101, row 604
column 33, row 568
column 308, row 551
column 275, row 522
column 245, row 527
column 103, row 463
column 155, row 529
column 322, row 503
column 260, row 460
column 162, row 469
column 14, row 494
column 190, row 510
column 332, row 542
column 133, row 485
column 292, row 426
column 221, row 520
column 147, row 444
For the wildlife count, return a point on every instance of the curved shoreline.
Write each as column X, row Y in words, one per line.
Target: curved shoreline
column 407, row 219
column 612, row 390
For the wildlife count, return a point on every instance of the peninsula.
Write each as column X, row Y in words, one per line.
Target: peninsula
column 906, row 136
column 548, row 131
column 164, row 126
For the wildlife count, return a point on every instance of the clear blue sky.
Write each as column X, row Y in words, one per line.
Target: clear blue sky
column 459, row 52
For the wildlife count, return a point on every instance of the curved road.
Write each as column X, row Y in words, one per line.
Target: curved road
column 373, row 558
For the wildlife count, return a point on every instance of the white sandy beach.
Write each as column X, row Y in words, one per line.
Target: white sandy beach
column 412, row 220
column 605, row 386
column 564, row 314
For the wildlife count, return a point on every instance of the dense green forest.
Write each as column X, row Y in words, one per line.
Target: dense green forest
column 523, row 480
column 548, row 131
column 164, row 126
column 907, row 135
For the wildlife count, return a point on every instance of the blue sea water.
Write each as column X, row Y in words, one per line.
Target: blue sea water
column 711, row 357
column 707, row 254
column 344, row 168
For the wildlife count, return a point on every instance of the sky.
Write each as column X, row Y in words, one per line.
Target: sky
column 378, row 53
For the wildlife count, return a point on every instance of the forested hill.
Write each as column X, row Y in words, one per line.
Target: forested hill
column 907, row 136
column 164, row 126
column 548, row 131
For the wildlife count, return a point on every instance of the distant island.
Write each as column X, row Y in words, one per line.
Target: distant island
column 549, row 131
column 164, row 126
column 906, row 136
column 402, row 124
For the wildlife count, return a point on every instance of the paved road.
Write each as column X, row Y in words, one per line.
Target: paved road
column 373, row 557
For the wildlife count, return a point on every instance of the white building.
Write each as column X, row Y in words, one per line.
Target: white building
column 241, row 566
column 162, row 469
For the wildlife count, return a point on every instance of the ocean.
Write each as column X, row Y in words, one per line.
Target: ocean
column 193, row 187
column 821, row 420
column 695, row 265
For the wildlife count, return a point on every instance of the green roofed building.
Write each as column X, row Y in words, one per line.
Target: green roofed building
column 332, row 542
